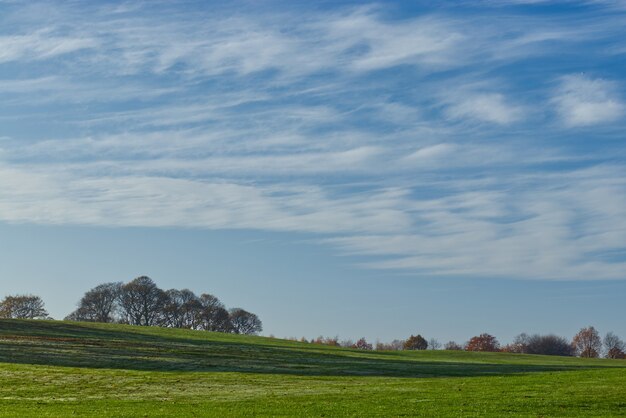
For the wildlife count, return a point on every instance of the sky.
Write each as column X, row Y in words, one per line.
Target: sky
column 339, row 168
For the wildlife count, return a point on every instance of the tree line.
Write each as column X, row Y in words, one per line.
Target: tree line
column 142, row 302
column 586, row 343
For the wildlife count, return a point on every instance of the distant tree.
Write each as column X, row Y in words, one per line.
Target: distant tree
column 98, row 304
column 508, row 348
column 519, row 344
column 182, row 309
column 587, row 343
column 483, row 342
column 433, row 344
column 346, row 343
column 142, row 302
column 321, row 340
column 245, row 322
column 614, row 347
column 362, row 344
column 23, row 307
column 213, row 314
column 415, row 342
column 78, row 315
column 395, row 345
column 171, row 311
column 550, row 345
column 453, row 346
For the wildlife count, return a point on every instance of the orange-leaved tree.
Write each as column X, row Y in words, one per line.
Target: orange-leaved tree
column 416, row 342
column 587, row 342
column 483, row 342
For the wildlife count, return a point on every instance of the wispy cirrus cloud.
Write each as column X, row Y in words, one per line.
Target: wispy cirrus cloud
column 486, row 107
column 583, row 101
column 40, row 45
column 422, row 143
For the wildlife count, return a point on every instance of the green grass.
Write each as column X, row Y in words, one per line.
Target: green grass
column 51, row 368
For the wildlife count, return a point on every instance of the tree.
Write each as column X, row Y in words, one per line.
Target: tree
column 519, row 344
column 483, row 342
column 346, row 343
column 321, row 340
column 587, row 343
column 550, row 345
column 613, row 346
column 415, row 342
column 395, row 345
column 245, row 322
column 213, row 314
column 23, row 307
column 142, row 302
column 433, row 344
column 362, row 344
column 451, row 345
column 98, row 304
column 182, row 309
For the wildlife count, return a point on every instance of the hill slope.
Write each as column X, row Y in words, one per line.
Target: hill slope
column 52, row 368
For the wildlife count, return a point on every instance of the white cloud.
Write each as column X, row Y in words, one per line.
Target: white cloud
column 583, row 101
column 529, row 226
column 60, row 197
column 430, row 155
column 355, row 40
column 485, row 107
column 424, row 42
column 40, row 45
column 550, row 231
column 329, row 126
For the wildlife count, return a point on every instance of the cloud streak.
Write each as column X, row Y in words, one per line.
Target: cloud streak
column 582, row 101
column 427, row 144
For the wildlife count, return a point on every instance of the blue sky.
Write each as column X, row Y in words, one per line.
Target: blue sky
column 361, row 169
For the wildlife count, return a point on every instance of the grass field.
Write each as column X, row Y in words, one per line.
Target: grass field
column 51, row 368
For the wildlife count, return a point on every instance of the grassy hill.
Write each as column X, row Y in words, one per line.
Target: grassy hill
column 51, row 368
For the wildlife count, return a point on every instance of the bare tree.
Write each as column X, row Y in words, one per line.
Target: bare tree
column 142, row 302
column 98, row 304
column 346, row 343
column 182, row 309
column 519, row 345
column 433, row 344
column 213, row 314
column 395, row 345
column 587, row 342
column 451, row 345
column 331, row 341
column 550, row 345
column 23, row 307
column 245, row 322
column 614, row 347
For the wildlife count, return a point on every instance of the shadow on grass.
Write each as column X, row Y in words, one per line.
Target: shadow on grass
column 62, row 344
